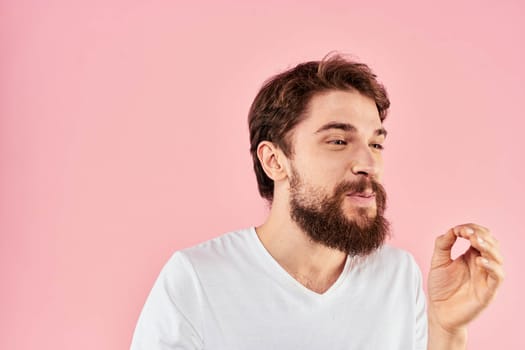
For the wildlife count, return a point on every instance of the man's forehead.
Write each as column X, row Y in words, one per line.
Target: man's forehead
column 343, row 107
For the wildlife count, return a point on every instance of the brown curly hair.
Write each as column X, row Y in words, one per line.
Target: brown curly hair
column 282, row 102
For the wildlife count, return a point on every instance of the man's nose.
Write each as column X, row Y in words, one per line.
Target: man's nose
column 364, row 162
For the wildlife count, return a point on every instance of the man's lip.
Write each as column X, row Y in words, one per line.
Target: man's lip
column 362, row 194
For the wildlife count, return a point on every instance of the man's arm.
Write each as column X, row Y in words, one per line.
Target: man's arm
column 458, row 290
column 442, row 339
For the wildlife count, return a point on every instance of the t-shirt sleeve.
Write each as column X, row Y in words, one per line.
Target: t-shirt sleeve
column 171, row 316
column 421, row 331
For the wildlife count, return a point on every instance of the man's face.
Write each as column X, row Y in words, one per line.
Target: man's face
column 335, row 194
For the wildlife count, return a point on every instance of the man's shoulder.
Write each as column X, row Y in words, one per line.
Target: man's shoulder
column 389, row 257
column 388, row 251
column 224, row 243
column 230, row 247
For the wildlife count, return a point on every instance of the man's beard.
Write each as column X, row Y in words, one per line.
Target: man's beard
column 323, row 220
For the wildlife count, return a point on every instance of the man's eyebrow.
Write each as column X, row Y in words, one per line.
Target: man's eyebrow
column 381, row 131
column 348, row 128
column 337, row 125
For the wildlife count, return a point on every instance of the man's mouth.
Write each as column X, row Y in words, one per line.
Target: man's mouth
column 362, row 199
column 367, row 194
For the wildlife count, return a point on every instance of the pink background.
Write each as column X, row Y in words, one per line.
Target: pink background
column 123, row 137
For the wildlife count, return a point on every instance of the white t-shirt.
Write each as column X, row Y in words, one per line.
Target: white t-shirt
column 229, row 293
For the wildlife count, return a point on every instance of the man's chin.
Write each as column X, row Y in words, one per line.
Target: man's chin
column 360, row 213
column 363, row 218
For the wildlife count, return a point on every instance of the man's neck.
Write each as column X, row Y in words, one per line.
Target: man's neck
column 314, row 265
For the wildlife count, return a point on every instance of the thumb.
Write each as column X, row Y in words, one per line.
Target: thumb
column 443, row 248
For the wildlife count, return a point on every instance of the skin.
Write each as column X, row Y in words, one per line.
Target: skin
column 457, row 290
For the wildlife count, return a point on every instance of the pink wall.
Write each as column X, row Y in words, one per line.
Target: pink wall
column 123, row 137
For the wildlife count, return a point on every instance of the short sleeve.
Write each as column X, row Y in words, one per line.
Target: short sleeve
column 171, row 316
column 421, row 331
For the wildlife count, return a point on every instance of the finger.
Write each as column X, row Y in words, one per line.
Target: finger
column 477, row 227
column 442, row 249
column 495, row 272
column 485, row 234
column 481, row 239
column 466, row 230
column 487, row 249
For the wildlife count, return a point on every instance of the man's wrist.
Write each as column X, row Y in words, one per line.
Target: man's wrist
column 441, row 338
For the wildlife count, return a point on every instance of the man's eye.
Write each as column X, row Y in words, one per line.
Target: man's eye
column 338, row 142
column 378, row 146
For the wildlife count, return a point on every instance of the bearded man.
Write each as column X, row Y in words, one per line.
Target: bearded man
column 317, row 274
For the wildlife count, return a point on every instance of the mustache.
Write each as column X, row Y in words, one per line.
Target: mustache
column 362, row 185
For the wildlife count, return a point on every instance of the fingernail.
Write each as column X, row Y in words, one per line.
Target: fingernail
column 481, row 241
column 469, row 231
column 484, row 261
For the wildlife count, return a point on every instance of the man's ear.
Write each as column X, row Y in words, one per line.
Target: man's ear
column 272, row 160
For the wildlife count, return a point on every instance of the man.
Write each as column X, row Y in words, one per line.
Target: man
column 317, row 274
